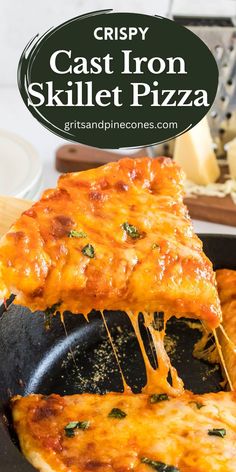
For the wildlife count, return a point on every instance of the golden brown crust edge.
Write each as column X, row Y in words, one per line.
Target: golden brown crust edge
column 226, row 282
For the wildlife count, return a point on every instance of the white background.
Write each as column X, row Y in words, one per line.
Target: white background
column 20, row 20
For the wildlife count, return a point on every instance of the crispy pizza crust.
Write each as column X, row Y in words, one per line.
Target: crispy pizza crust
column 174, row 431
column 116, row 237
column 226, row 282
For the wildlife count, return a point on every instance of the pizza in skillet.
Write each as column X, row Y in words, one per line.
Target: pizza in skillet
column 121, row 433
column 119, row 238
column 116, row 237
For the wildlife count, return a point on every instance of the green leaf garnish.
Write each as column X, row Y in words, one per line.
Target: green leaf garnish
column 49, row 312
column 220, row 432
column 73, row 425
column 198, row 405
column 159, row 466
column 117, row 413
column 131, row 230
column 52, row 309
column 77, row 234
column 158, row 397
column 88, row 251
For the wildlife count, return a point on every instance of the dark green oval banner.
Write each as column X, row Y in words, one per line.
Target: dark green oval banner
column 115, row 80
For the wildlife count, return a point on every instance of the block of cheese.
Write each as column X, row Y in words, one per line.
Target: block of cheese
column 194, row 153
column 231, row 157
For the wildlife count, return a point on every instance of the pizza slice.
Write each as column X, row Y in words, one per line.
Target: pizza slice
column 116, row 237
column 140, row 433
column 226, row 282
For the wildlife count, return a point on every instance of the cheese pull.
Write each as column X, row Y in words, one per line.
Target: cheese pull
column 194, row 153
column 226, row 283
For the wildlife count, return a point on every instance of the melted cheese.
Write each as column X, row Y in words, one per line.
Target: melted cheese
column 206, row 349
column 173, row 432
column 125, row 386
column 226, row 281
column 157, row 378
column 162, row 268
column 194, row 153
column 222, row 359
column 209, row 348
column 217, row 189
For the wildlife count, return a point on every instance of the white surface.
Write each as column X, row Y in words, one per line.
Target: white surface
column 21, row 20
column 35, row 193
column 205, row 227
column 20, row 166
column 209, row 8
column 15, row 117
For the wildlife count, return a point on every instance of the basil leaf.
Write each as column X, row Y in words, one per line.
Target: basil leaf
column 158, row 397
column 220, row 432
column 88, row 251
column 131, row 230
column 117, row 413
column 70, row 427
column 159, row 466
column 49, row 312
column 77, row 234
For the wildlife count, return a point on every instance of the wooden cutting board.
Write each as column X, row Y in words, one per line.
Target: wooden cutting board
column 10, row 209
column 213, row 209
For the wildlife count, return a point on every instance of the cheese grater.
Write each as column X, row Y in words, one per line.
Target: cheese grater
column 216, row 26
column 215, row 23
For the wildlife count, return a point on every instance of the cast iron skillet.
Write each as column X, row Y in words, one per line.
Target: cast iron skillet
column 32, row 360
